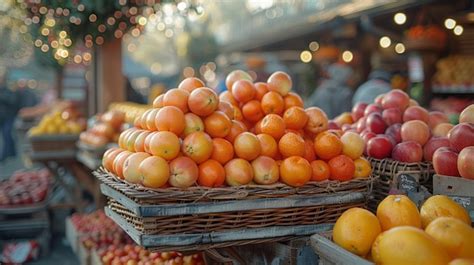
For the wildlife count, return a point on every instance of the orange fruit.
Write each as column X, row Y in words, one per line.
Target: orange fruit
column 150, row 120
column 291, row 144
column 170, row 119
column 327, row 145
column 363, row 169
column 272, row 102
column 144, row 118
column 293, row 100
column 238, row 116
column 295, row 171
column 273, row 125
column 183, row 172
column 211, row 174
column 352, row 145
column 234, row 76
column 191, row 83
column 407, row 245
column 137, row 123
column 222, row 150
column 441, row 205
column 262, row 89
column 158, row 102
column 398, row 210
column 280, row 82
column 227, row 97
column 247, row 146
column 178, row 98
column 317, row 122
column 164, row 144
column 268, row 145
column 309, row 153
column 455, row 236
column 192, row 123
column 257, row 128
column 321, row 170
column 252, row 111
column 265, row 170
column 227, row 108
column 154, row 171
column 140, row 141
column 119, row 161
column 243, row 91
column 237, row 128
column 203, row 101
column 355, row 230
column 217, row 124
column 342, row 168
column 197, row 146
column 238, row 172
column 109, row 157
column 295, row 118
column 130, row 167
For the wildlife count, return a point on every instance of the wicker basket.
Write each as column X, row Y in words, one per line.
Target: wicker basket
column 390, row 179
column 200, row 218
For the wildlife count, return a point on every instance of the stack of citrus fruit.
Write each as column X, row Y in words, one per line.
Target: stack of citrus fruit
column 253, row 133
column 439, row 233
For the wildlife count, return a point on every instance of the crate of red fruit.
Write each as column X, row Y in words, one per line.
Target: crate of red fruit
column 26, row 192
column 401, row 138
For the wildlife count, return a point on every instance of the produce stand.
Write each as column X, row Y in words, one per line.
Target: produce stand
column 459, row 189
column 394, row 177
column 200, row 218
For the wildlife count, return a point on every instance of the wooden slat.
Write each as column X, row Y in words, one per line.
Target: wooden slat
column 214, row 237
column 230, row 206
column 330, row 253
column 453, row 186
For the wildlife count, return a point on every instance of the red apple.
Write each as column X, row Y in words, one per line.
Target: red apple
column 183, row 172
column 415, row 130
column 436, row 117
column 396, row 99
column 467, row 115
column 374, row 107
column 445, row 162
column 432, row 145
column 392, row 116
column 409, row 152
column 379, row 147
column 361, row 124
column 378, row 99
column 416, row 113
column 358, row 110
column 461, row 136
column 394, row 131
column 466, row 163
column 333, row 125
column 442, row 129
column 375, row 123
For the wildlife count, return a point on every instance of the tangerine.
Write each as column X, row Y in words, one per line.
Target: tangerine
column 191, row 83
column 211, row 174
column 243, row 91
column 178, row 98
column 237, row 128
column 268, row 145
column 295, row 118
column 222, row 150
column 293, row 100
column 273, row 125
column 217, row 124
column 170, row 118
column 203, row 101
column 262, row 89
column 295, row 171
column 317, row 120
column 291, row 144
column 321, row 170
column 252, row 111
column 342, row 168
column 272, row 102
column 247, row 146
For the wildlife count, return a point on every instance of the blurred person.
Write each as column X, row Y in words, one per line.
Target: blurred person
column 379, row 81
column 334, row 95
column 43, row 106
column 8, row 111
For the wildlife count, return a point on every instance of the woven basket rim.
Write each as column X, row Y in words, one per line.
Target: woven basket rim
column 229, row 193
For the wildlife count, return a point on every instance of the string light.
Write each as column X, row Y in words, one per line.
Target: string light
column 314, row 46
column 458, row 30
column 347, row 56
column 450, row 23
column 400, row 18
column 399, row 48
column 385, row 42
column 306, row 56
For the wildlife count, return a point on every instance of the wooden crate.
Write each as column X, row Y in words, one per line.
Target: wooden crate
column 331, row 254
column 200, row 218
column 459, row 189
column 53, row 142
column 394, row 177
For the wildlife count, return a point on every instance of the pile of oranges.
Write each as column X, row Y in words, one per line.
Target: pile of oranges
column 252, row 133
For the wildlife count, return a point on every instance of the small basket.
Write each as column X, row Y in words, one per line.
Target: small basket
column 397, row 177
column 200, row 218
column 53, row 142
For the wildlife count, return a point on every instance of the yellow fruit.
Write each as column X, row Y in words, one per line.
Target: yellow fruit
column 441, row 205
column 398, row 210
column 51, row 129
column 405, row 245
column 462, row 262
column 355, row 230
column 63, row 129
column 456, row 237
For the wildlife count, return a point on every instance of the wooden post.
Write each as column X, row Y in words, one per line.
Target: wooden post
column 109, row 77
